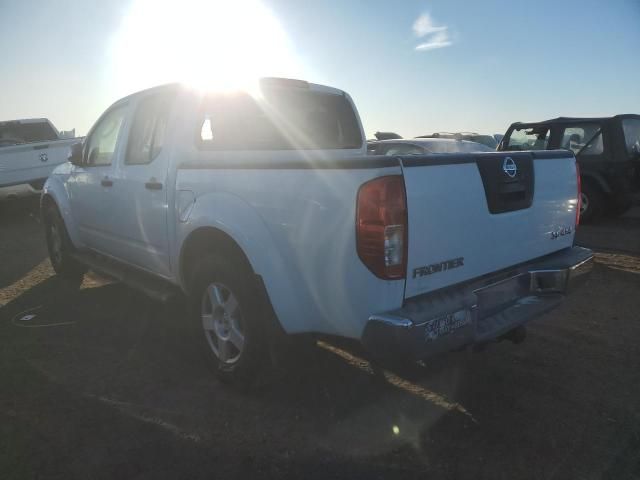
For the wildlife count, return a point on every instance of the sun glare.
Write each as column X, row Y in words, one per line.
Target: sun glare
column 218, row 44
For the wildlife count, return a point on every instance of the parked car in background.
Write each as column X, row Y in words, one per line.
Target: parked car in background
column 607, row 150
column 387, row 136
column 68, row 133
column 29, row 151
column 488, row 140
column 421, row 146
column 270, row 216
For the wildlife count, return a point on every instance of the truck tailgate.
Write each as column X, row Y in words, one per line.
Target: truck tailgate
column 29, row 162
column 470, row 215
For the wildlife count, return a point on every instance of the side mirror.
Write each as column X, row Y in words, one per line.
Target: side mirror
column 75, row 154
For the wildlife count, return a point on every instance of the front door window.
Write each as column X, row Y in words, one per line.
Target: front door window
column 101, row 145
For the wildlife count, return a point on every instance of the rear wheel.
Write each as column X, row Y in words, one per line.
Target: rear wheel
column 60, row 247
column 227, row 321
column 592, row 202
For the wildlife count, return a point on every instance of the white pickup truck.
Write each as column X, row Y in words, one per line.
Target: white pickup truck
column 266, row 211
column 29, row 151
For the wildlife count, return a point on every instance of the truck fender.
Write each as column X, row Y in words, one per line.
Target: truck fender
column 597, row 179
column 236, row 218
column 55, row 190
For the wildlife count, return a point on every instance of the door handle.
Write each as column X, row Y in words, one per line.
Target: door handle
column 153, row 185
column 106, row 182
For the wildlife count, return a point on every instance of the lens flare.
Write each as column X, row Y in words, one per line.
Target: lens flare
column 217, row 44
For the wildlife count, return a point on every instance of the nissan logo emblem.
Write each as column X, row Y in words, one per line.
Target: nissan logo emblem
column 509, row 167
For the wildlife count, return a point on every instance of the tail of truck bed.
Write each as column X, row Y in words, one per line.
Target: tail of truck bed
column 29, row 151
column 470, row 215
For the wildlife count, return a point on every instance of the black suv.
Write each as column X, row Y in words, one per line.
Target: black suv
column 607, row 150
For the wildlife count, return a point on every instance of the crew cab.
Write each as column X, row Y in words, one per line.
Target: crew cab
column 29, row 151
column 607, row 150
column 265, row 210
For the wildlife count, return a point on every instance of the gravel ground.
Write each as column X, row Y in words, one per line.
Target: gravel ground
column 100, row 384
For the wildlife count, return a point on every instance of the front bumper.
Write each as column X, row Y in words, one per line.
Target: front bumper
column 477, row 311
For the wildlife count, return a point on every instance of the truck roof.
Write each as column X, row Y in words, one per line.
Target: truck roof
column 25, row 121
column 579, row 119
column 271, row 81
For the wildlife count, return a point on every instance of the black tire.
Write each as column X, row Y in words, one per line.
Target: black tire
column 60, row 247
column 593, row 201
column 251, row 319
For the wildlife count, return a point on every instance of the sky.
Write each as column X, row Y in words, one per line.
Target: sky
column 412, row 67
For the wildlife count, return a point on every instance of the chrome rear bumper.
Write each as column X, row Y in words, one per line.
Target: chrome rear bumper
column 477, row 311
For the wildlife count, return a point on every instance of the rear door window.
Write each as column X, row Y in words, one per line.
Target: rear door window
column 585, row 139
column 631, row 128
column 283, row 119
column 529, row 138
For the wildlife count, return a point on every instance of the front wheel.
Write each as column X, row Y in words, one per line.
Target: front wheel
column 227, row 321
column 60, row 247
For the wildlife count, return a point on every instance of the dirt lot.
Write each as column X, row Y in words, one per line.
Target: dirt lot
column 100, row 384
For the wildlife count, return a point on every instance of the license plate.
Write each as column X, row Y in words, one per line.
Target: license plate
column 445, row 325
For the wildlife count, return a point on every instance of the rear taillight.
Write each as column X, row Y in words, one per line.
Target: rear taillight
column 381, row 227
column 579, row 204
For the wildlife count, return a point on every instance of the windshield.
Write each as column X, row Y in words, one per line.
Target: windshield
column 528, row 138
column 284, row 119
column 16, row 133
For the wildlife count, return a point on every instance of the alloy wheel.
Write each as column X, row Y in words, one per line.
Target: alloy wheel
column 222, row 323
column 584, row 203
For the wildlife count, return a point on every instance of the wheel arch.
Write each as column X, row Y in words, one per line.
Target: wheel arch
column 207, row 239
column 54, row 193
column 597, row 180
column 241, row 230
column 47, row 200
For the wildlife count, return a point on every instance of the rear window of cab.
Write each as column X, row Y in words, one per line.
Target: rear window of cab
column 282, row 119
